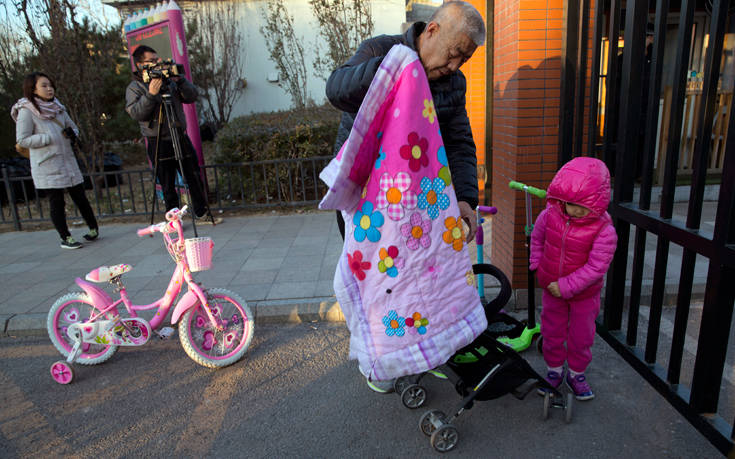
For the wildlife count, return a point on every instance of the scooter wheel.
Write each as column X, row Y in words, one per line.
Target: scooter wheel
column 547, row 405
column 62, row 372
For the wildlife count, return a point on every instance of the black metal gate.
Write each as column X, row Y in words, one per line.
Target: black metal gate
column 631, row 132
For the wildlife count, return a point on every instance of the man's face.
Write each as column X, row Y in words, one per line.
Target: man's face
column 443, row 51
column 148, row 58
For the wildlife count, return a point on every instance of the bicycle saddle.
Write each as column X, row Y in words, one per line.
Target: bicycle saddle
column 105, row 273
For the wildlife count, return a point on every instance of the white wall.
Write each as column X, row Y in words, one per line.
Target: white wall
column 263, row 96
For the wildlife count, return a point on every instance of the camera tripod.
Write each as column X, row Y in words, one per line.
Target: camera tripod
column 167, row 109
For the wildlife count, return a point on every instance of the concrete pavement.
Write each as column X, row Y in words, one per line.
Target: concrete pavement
column 282, row 265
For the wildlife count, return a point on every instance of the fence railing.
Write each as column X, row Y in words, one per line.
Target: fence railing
column 257, row 184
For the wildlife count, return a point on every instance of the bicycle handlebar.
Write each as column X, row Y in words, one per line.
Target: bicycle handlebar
column 176, row 214
column 171, row 216
column 151, row 229
column 528, row 189
column 488, row 209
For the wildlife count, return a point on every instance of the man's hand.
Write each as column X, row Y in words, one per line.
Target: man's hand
column 155, row 86
column 468, row 215
column 554, row 289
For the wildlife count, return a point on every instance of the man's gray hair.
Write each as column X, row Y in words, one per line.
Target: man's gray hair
column 469, row 19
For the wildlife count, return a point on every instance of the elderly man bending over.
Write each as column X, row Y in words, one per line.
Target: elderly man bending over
column 443, row 44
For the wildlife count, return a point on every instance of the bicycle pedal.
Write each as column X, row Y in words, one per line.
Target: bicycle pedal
column 165, row 332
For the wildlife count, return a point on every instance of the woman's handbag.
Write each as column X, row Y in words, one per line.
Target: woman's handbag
column 23, row 151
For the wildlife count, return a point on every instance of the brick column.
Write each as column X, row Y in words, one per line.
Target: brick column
column 475, row 71
column 527, row 83
column 527, row 74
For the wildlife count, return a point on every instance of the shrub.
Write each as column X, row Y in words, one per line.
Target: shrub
column 299, row 133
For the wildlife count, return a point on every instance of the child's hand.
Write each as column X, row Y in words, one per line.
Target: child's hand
column 554, row 289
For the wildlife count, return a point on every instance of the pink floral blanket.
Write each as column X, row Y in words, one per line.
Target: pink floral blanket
column 404, row 280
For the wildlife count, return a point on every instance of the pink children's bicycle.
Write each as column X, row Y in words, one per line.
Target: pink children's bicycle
column 215, row 325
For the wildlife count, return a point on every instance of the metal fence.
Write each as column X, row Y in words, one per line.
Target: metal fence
column 686, row 365
column 258, row 184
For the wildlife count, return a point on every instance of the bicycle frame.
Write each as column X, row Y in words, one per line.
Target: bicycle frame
column 104, row 304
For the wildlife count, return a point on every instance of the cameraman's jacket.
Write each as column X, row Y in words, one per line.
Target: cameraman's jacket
column 144, row 108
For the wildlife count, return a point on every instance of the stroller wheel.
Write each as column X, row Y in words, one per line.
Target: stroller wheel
column 540, row 344
column 401, row 384
column 430, row 420
column 568, row 408
column 445, row 438
column 413, row 396
column 547, row 405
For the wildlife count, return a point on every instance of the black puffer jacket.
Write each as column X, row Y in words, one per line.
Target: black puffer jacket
column 347, row 86
column 144, row 108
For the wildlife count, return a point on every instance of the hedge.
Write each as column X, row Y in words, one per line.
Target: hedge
column 300, row 133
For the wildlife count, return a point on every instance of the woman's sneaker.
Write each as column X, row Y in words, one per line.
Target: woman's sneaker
column 70, row 243
column 381, row 387
column 579, row 385
column 554, row 378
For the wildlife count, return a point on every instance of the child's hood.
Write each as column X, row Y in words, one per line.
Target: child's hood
column 583, row 181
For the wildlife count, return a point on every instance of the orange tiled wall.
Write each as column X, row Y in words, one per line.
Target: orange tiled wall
column 474, row 70
column 527, row 82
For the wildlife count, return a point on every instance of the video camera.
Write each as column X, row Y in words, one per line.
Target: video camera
column 161, row 70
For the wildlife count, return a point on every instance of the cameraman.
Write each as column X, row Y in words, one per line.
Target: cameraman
column 143, row 103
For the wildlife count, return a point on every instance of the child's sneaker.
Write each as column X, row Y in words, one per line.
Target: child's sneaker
column 579, row 385
column 70, row 243
column 381, row 387
column 554, row 378
column 92, row 235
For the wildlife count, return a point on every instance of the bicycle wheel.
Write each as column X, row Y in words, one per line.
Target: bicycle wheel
column 497, row 303
column 70, row 309
column 210, row 347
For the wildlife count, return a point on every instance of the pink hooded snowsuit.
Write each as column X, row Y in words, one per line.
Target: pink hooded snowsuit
column 576, row 253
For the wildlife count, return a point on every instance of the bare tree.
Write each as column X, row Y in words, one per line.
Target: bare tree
column 343, row 25
column 215, row 45
column 286, row 51
column 13, row 51
column 85, row 61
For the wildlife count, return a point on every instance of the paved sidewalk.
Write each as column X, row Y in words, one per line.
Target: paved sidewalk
column 282, row 265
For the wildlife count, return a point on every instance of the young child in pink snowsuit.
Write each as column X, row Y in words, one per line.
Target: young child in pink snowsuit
column 572, row 245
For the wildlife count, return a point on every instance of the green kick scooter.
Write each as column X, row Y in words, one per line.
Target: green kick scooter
column 523, row 342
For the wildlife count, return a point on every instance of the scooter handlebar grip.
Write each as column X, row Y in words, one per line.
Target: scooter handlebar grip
column 492, row 210
column 528, row 189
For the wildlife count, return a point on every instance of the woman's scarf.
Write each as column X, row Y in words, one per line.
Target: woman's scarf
column 46, row 110
column 404, row 280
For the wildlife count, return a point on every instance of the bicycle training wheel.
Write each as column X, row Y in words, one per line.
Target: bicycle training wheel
column 70, row 309
column 214, row 348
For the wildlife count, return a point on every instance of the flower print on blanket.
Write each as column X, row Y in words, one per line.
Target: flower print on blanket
column 401, row 279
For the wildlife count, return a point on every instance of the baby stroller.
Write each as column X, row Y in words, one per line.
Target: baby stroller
column 485, row 369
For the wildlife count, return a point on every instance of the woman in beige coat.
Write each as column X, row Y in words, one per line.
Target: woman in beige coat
column 44, row 127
